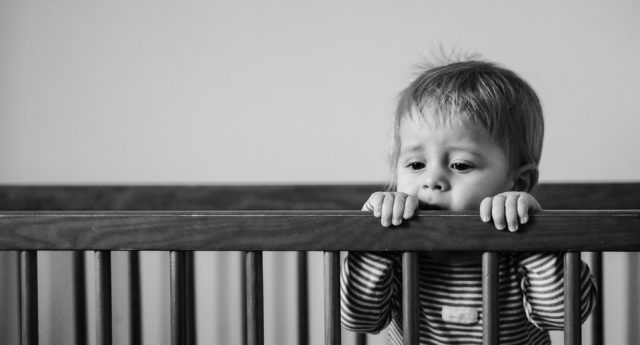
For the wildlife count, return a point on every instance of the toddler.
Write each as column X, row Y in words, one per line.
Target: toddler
column 466, row 136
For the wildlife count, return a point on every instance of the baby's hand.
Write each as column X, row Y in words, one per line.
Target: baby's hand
column 508, row 209
column 391, row 207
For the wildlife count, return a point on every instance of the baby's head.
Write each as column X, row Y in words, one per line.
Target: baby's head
column 487, row 106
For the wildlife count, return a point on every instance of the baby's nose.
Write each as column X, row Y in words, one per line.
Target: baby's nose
column 435, row 179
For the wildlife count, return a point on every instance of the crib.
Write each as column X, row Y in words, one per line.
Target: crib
column 578, row 217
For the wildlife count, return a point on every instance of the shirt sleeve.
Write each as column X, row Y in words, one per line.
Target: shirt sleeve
column 542, row 284
column 366, row 289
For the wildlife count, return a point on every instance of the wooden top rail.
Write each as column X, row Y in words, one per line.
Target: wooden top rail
column 587, row 196
column 313, row 230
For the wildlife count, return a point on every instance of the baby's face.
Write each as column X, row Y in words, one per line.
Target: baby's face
column 450, row 166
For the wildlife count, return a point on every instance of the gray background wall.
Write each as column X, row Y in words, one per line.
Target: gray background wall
column 288, row 92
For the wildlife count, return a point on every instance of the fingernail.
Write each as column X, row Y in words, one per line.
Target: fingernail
column 524, row 220
column 397, row 221
column 484, row 218
column 513, row 229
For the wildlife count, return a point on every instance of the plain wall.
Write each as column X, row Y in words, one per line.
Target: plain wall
column 211, row 92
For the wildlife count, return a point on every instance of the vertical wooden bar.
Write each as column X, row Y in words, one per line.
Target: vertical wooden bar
column 361, row 339
column 177, row 297
column 103, row 297
column 490, row 302
column 189, row 296
column 135, row 319
column 80, row 297
column 597, row 325
column 572, row 330
column 410, row 301
column 255, row 307
column 332, row 298
column 303, row 299
column 243, row 297
column 29, row 297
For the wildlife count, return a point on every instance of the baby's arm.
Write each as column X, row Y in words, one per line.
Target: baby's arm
column 366, row 287
column 508, row 209
column 366, row 280
column 391, row 207
column 542, row 284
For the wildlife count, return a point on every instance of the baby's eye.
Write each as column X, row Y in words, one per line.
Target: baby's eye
column 461, row 167
column 416, row 165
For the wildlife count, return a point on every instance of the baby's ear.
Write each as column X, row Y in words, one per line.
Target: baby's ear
column 525, row 178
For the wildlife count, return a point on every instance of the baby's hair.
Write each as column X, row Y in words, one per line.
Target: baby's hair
column 481, row 93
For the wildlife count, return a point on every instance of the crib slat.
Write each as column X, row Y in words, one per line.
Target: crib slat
column 255, row 307
column 136, row 299
column 490, row 301
column 410, row 302
column 80, row 297
column 29, row 297
column 572, row 330
column 243, row 297
column 181, row 276
column 332, row 298
column 361, row 339
column 597, row 327
column 189, row 296
column 103, row 297
column 176, row 269
column 303, row 299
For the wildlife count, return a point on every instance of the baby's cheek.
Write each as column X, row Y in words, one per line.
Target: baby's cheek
column 407, row 188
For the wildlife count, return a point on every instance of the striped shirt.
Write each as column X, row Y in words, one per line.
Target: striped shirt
column 450, row 295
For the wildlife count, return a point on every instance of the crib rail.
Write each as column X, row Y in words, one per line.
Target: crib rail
column 178, row 220
column 313, row 231
column 586, row 196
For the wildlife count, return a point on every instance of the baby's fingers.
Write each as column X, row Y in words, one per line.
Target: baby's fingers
column 485, row 209
column 498, row 211
column 398, row 208
column 526, row 203
column 376, row 203
column 386, row 211
column 410, row 206
column 511, row 211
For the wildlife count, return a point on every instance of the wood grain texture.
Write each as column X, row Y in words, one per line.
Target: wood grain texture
column 588, row 196
column 104, row 329
column 255, row 298
column 490, row 299
column 221, row 197
column 78, row 279
column 572, row 323
column 597, row 320
column 135, row 291
column 313, row 230
column 276, row 197
column 410, row 301
column 302, row 305
column 332, row 298
column 29, row 298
